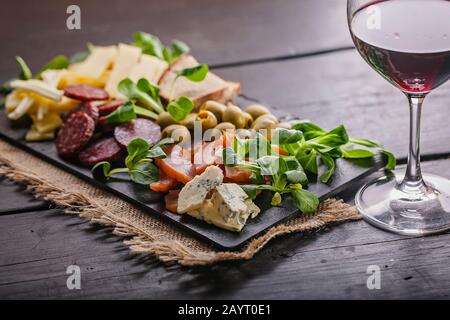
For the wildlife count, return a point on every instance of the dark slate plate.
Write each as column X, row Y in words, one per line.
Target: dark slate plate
column 346, row 173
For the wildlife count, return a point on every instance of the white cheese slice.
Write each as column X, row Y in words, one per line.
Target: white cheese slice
column 12, row 100
column 127, row 57
column 150, row 68
column 96, row 63
column 53, row 77
column 231, row 205
column 194, row 193
column 23, row 107
column 38, row 86
column 228, row 208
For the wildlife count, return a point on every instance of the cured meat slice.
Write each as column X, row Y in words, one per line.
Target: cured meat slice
column 85, row 92
column 74, row 134
column 164, row 184
column 171, row 200
column 90, row 109
column 105, row 149
column 137, row 128
column 109, row 107
column 178, row 164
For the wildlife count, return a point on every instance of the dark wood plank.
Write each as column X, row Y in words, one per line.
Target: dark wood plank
column 329, row 264
column 14, row 199
column 254, row 29
column 341, row 88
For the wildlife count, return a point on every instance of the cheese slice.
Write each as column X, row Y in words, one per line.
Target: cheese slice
column 49, row 123
column 96, row 63
column 127, row 57
column 150, row 68
column 22, row 108
column 228, row 208
column 38, row 86
column 194, row 193
column 34, row 135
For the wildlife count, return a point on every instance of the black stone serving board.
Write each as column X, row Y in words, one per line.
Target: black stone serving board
column 141, row 196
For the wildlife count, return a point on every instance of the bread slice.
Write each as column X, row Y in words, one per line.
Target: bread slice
column 211, row 88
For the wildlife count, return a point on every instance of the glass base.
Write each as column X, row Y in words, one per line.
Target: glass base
column 385, row 204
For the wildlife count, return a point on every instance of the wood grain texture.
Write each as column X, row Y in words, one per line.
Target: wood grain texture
column 341, row 88
column 15, row 199
column 218, row 31
column 329, row 264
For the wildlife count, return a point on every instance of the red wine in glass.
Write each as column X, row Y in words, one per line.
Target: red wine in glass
column 406, row 41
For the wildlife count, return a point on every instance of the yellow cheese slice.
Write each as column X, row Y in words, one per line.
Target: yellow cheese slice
column 127, row 57
column 34, row 135
column 150, row 68
column 48, row 123
column 96, row 63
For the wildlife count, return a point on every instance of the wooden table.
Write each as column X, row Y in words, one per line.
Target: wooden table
column 294, row 55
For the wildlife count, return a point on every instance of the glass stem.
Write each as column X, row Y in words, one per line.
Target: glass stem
column 413, row 182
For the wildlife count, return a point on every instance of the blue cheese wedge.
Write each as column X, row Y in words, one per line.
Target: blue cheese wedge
column 228, row 208
column 194, row 193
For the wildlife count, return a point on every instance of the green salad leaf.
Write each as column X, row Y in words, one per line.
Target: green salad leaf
column 143, row 92
column 149, row 44
column 305, row 144
column 153, row 46
column 175, row 50
column 122, row 114
column 25, row 72
column 128, row 112
column 56, row 63
column 139, row 162
column 180, row 108
column 195, row 74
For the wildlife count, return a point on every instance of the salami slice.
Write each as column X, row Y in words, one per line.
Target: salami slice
column 85, row 92
column 137, row 128
column 90, row 109
column 109, row 107
column 74, row 134
column 105, row 149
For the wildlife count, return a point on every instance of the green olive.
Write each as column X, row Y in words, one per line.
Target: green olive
column 266, row 123
column 248, row 119
column 212, row 134
column 245, row 133
column 225, row 126
column 235, row 115
column 165, row 119
column 190, row 120
column 215, row 107
column 256, row 110
column 207, row 119
column 267, row 116
column 177, row 132
column 285, row 125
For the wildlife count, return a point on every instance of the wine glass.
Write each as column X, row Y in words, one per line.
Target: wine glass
column 408, row 43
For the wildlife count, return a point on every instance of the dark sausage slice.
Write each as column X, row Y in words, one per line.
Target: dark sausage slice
column 85, row 92
column 105, row 149
column 90, row 109
column 137, row 128
column 74, row 134
column 109, row 107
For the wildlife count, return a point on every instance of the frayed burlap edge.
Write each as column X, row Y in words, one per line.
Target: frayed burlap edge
column 140, row 241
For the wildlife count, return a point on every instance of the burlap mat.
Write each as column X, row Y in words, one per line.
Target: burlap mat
column 144, row 233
